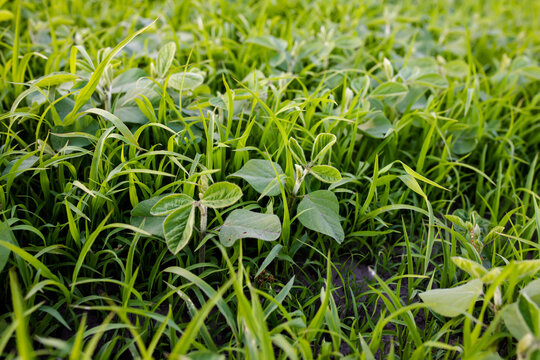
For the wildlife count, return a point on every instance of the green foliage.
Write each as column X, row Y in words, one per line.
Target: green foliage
column 269, row 179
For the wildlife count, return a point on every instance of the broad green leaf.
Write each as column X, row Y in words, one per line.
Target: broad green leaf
column 5, row 235
column 165, row 58
column 323, row 142
column 532, row 291
column 5, row 15
column 261, row 176
column 452, row 302
column 17, row 166
column 127, row 80
column 86, row 93
column 526, row 267
column 456, row 68
column 54, row 79
column 514, row 321
column 325, row 173
column 221, row 194
column 491, row 275
column 389, row 89
column 242, row 224
column 297, row 152
column 319, row 211
column 377, row 126
column 169, row 203
column 532, row 72
column 432, row 80
column 269, row 42
column 456, row 220
column 471, row 267
column 185, row 81
column 141, row 217
column 178, row 228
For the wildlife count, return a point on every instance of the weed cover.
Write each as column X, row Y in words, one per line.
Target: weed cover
column 269, row 179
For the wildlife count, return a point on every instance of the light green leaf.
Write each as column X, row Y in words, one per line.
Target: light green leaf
column 86, row 93
column 377, row 126
column 221, row 194
column 242, row 224
column 185, row 81
column 261, row 176
column 178, row 228
column 165, row 58
column 525, row 268
column 325, row 173
column 456, row 68
column 532, row 72
column 54, row 79
column 323, row 142
column 141, row 212
column 389, row 89
column 514, row 321
column 432, row 80
column 452, row 302
column 471, row 267
column 319, row 211
column 269, row 42
column 297, row 152
column 169, row 203
column 5, row 15
column 491, row 275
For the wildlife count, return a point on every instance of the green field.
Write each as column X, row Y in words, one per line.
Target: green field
column 269, row 179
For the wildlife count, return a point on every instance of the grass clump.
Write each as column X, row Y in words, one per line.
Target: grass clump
column 261, row 179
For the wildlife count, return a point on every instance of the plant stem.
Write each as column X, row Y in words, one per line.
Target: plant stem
column 202, row 232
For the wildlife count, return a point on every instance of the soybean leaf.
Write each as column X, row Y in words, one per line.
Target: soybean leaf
column 456, row 68
column 377, row 126
column 185, row 81
column 297, row 152
column 514, row 321
column 325, row 173
column 165, row 58
column 389, row 89
column 54, row 79
column 221, row 194
column 452, row 302
column 5, row 15
column 269, row 42
column 141, row 217
column 319, row 211
column 261, row 176
column 323, row 142
column 178, row 227
column 472, row 268
column 242, row 224
column 90, row 87
column 169, row 203
column 127, row 80
column 432, row 80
